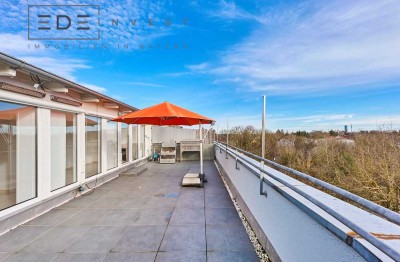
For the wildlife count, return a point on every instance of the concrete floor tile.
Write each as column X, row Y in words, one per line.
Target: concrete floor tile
column 130, row 257
column 188, row 216
column 181, row 256
column 218, row 201
column 21, row 236
column 189, row 202
column 56, row 240
column 133, row 202
column 219, row 190
column 105, row 202
column 118, row 217
column 140, row 239
column 86, row 217
column 142, row 191
column 4, row 255
column 53, row 217
column 153, row 216
column 192, row 192
column 118, row 192
column 86, row 257
column 228, row 238
column 232, row 256
column 97, row 239
column 30, row 257
column 161, row 202
column 222, row 216
column 80, row 202
column 184, row 238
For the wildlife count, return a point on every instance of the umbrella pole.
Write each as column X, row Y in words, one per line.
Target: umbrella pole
column 201, row 149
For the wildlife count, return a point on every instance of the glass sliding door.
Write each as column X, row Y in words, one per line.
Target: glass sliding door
column 135, row 154
column 112, row 145
column 17, row 154
column 92, row 146
column 124, row 142
column 63, row 149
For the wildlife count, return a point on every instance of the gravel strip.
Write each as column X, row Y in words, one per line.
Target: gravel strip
column 262, row 255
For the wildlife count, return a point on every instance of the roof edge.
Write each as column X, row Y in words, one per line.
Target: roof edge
column 20, row 64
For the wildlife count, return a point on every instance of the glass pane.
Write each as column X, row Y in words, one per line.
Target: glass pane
column 112, row 145
column 63, row 149
column 17, row 154
column 93, row 145
column 142, row 138
column 124, row 142
column 135, row 142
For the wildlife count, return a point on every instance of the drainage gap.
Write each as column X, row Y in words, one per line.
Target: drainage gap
column 262, row 255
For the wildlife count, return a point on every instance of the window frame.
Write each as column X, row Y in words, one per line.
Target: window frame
column 101, row 145
column 76, row 147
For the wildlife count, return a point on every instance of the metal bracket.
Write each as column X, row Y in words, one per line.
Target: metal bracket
column 262, row 191
column 237, row 163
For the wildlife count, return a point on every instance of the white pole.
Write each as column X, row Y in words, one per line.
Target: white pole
column 227, row 137
column 201, row 148
column 262, row 144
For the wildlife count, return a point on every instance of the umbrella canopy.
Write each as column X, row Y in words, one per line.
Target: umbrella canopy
column 167, row 114
column 164, row 114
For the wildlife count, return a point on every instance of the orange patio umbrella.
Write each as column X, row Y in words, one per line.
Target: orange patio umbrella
column 164, row 114
column 167, row 114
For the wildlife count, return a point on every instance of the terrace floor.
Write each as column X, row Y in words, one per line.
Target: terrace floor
column 149, row 217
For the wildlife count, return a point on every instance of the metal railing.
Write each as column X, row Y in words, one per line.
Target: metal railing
column 384, row 212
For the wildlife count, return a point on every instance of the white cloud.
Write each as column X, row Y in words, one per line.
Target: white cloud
column 94, row 87
column 341, row 45
column 48, row 59
column 198, row 67
column 14, row 19
column 143, row 84
column 17, row 43
column 176, row 74
column 201, row 68
column 66, row 69
column 229, row 10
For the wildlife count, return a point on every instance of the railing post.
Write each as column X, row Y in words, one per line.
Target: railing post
column 262, row 191
column 227, row 138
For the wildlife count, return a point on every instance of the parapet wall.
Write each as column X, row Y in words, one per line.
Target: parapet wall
column 289, row 226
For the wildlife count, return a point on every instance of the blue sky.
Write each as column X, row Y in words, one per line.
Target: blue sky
column 322, row 64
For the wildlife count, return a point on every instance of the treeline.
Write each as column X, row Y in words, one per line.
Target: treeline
column 365, row 163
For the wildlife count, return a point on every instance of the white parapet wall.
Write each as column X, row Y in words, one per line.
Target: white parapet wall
column 290, row 227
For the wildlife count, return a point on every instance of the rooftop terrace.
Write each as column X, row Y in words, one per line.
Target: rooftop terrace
column 149, row 217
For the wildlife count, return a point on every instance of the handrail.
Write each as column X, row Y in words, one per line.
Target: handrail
column 371, row 206
column 392, row 253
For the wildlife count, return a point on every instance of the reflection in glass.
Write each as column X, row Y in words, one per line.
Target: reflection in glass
column 17, row 154
column 124, row 142
column 63, row 149
column 142, row 140
column 112, row 145
column 92, row 145
column 135, row 142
